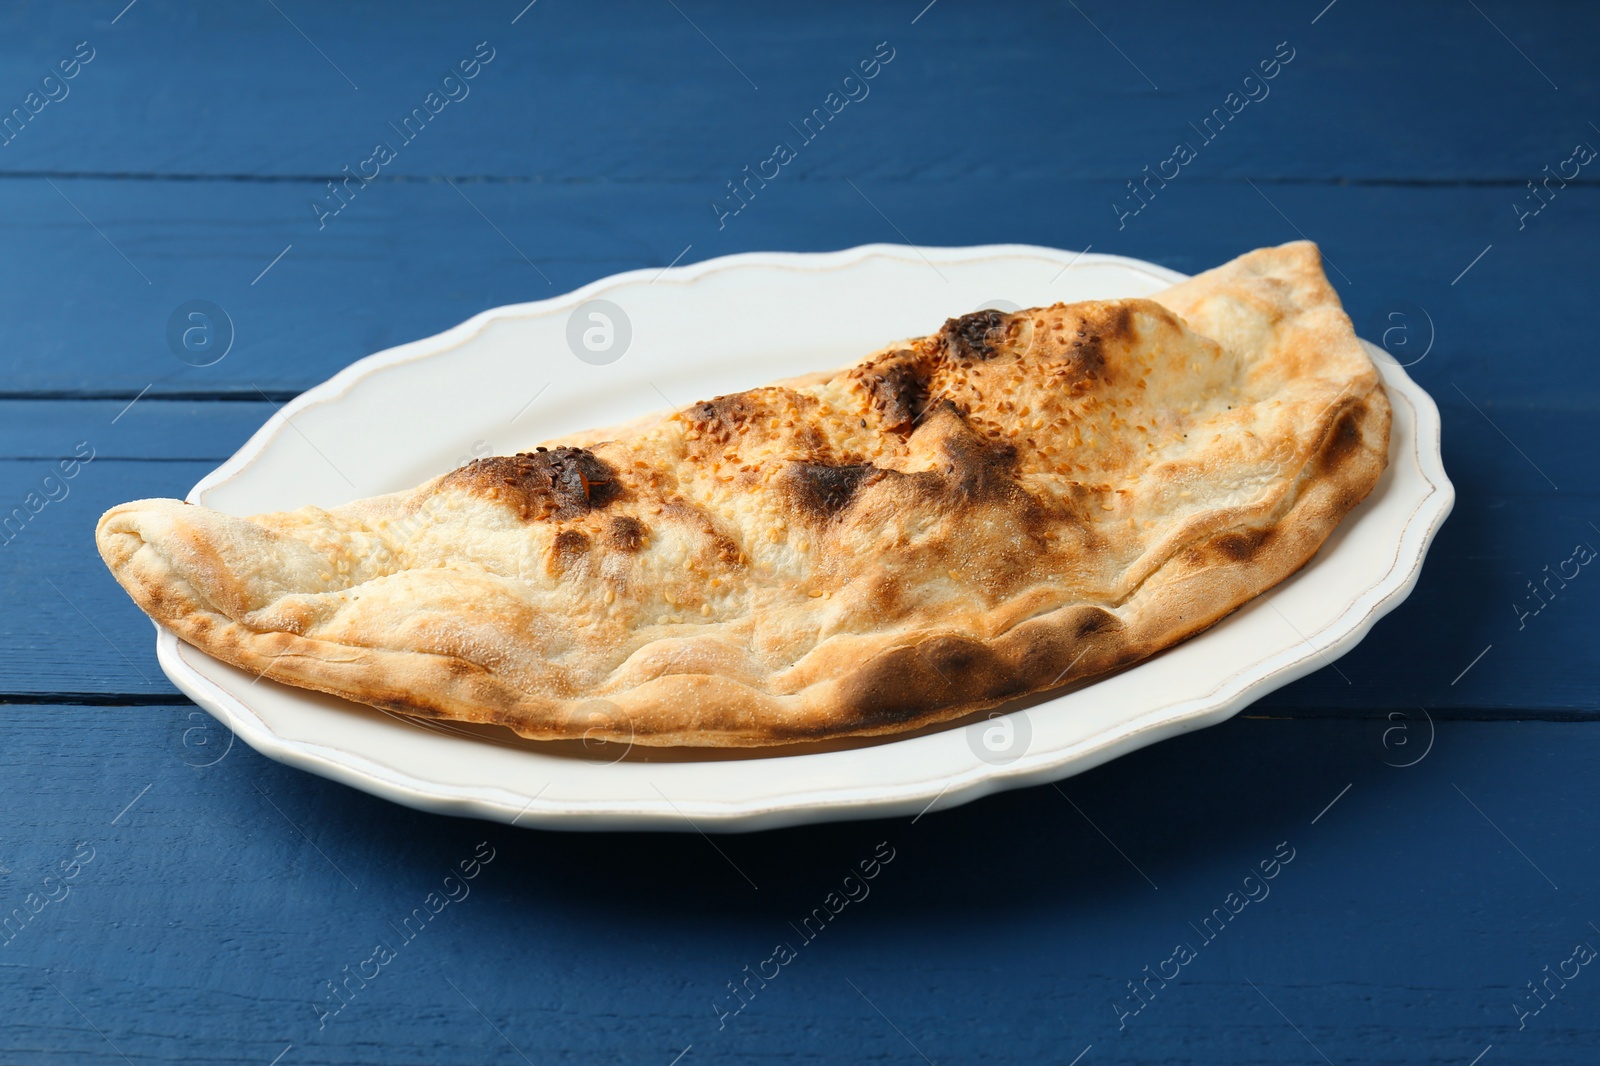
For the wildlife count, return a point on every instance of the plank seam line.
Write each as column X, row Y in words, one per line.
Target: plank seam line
column 910, row 178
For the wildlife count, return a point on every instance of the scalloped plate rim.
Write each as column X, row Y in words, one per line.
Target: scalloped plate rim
column 1252, row 680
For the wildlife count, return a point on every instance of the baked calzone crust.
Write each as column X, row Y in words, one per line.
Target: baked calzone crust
column 1015, row 502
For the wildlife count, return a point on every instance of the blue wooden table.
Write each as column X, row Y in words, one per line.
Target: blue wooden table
column 1393, row 861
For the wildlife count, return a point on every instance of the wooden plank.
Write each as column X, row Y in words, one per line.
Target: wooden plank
column 75, row 630
column 1509, row 526
column 1508, row 308
column 144, row 428
column 224, row 893
column 1069, row 93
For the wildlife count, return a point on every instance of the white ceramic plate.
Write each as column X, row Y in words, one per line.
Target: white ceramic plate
column 509, row 378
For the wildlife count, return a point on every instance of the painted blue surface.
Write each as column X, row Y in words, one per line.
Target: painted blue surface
column 175, row 897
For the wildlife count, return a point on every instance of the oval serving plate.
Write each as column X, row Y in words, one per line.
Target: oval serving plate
column 509, row 378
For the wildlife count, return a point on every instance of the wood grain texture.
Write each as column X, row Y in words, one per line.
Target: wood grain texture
column 1401, row 931
column 185, row 158
column 259, row 101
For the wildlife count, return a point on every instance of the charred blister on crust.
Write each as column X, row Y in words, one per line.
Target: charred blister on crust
column 1241, row 544
column 625, row 533
column 1109, row 328
column 557, row 483
column 568, row 551
column 1097, row 620
column 723, row 416
column 973, row 337
column 722, row 422
column 1344, row 438
column 898, row 386
column 970, row 471
column 978, row 464
column 569, row 544
column 977, row 468
column 892, row 689
column 896, row 687
column 1064, row 647
column 983, row 673
column 819, row 491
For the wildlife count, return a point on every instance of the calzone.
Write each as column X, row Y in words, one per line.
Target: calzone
column 1015, row 502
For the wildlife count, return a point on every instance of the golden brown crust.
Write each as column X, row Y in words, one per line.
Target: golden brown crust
column 1015, row 502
